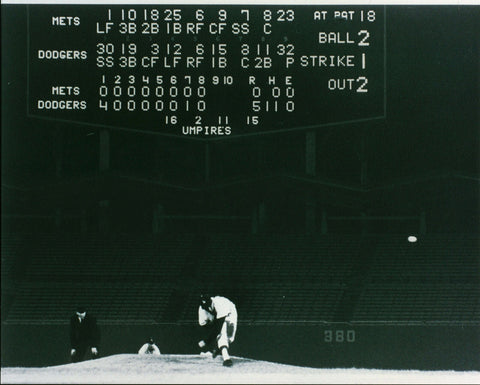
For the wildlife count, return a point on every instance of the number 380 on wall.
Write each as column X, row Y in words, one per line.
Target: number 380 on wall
column 339, row 336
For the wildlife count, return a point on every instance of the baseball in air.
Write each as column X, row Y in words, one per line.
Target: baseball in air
column 412, row 239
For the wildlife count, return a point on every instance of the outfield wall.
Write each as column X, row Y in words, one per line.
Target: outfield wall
column 431, row 347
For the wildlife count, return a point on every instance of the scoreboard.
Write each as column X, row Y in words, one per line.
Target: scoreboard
column 206, row 71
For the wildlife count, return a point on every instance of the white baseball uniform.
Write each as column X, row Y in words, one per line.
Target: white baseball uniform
column 221, row 307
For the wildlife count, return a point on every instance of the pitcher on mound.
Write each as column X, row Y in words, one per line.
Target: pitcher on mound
column 219, row 316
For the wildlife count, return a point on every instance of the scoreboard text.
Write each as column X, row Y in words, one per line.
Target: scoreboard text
column 206, row 71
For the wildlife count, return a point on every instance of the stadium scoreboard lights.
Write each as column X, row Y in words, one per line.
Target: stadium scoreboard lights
column 206, row 71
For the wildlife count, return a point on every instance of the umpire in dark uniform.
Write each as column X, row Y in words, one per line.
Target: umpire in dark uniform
column 84, row 335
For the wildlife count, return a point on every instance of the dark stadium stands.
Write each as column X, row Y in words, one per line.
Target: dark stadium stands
column 54, row 302
column 419, row 302
column 435, row 279
column 272, row 278
column 118, row 259
column 120, row 279
column 437, row 258
column 279, row 258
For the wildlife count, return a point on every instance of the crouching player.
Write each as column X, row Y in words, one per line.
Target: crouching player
column 149, row 347
column 219, row 316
